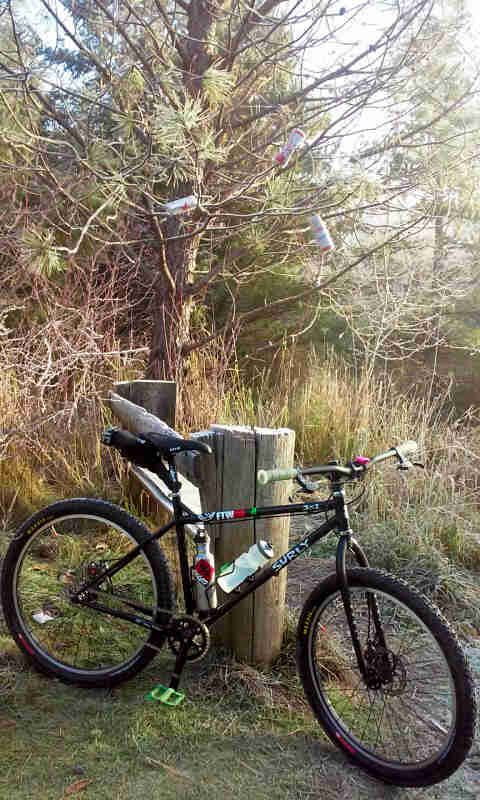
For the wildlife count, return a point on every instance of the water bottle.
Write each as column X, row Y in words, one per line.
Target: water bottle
column 183, row 205
column 296, row 138
column 233, row 574
column 203, row 574
column 320, row 233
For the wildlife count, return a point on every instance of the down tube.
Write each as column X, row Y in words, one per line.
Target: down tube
column 270, row 571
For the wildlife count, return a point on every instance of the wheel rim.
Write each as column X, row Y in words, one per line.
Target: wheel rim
column 54, row 561
column 409, row 721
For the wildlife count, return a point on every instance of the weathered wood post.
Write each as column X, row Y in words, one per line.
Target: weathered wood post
column 254, row 629
column 274, row 448
column 157, row 397
column 227, row 480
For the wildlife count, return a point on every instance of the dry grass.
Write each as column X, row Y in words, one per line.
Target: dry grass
column 241, row 731
column 50, row 449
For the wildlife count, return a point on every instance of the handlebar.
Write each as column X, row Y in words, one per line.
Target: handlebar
column 353, row 470
column 403, row 451
column 265, row 476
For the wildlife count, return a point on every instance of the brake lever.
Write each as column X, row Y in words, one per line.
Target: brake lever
column 405, row 464
column 307, row 486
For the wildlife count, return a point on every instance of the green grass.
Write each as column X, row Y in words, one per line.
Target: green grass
column 238, row 733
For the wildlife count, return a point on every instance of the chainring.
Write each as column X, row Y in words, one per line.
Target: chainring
column 187, row 629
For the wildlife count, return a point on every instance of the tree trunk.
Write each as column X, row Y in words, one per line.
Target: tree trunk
column 439, row 237
column 171, row 310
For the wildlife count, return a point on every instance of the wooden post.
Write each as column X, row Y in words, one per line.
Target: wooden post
column 237, row 481
column 274, row 448
column 227, row 480
column 254, row 628
column 157, row 397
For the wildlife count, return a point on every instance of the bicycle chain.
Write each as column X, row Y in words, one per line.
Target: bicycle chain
column 189, row 629
column 179, row 630
column 176, row 636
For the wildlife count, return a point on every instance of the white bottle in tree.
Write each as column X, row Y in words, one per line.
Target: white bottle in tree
column 320, row 233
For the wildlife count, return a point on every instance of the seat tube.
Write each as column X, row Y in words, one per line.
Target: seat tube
column 183, row 555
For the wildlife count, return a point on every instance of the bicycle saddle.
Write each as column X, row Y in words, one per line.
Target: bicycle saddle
column 147, row 448
column 167, row 444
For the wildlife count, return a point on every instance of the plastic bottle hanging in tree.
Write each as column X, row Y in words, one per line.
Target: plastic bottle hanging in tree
column 183, row 205
column 296, row 139
column 320, row 233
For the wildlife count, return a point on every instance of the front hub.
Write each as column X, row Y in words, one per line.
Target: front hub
column 384, row 670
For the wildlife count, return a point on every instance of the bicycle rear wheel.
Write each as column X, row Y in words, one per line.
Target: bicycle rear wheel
column 413, row 725
column 54, row 552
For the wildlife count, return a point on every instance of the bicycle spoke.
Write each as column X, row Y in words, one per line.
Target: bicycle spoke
column 416, row 708
column 378, row 720
column 403, row 741
column 379, row 726
column 55, row 563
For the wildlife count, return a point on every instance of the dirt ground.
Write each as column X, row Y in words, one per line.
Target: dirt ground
column 303, row 575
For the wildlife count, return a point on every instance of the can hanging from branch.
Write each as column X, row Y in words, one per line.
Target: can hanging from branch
column 295, row 140
column 320, row 233
column 183, row 205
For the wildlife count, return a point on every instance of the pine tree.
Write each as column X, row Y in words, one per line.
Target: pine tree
column 146, row 101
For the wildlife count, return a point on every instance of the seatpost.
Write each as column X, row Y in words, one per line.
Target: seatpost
column 175, row 484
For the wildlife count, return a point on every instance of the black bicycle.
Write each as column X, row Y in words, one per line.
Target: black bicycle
column 87, row 595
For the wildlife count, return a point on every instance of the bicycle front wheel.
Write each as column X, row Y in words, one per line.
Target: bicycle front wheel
column 53, row 554
column 411, row 721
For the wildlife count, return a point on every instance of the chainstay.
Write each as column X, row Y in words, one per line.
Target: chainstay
column 166, row 629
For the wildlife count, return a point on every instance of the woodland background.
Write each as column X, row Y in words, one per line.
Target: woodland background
column 109, row 110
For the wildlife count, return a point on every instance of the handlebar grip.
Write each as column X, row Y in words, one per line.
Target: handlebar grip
column 265, row 476
column 116, row 437
column 407, row 449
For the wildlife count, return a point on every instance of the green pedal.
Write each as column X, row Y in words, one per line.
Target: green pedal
column 165, row 695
